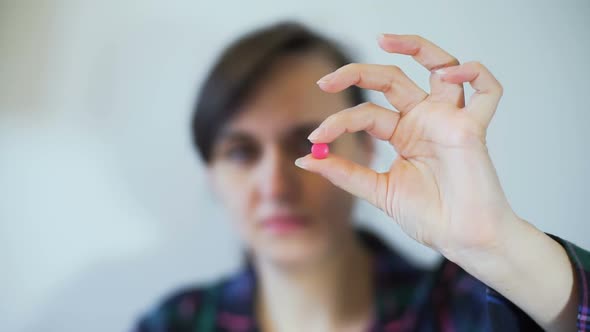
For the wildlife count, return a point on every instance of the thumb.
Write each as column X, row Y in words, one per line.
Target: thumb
column 358, row 180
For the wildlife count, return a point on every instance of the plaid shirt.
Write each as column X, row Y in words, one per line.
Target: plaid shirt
column 407, row 299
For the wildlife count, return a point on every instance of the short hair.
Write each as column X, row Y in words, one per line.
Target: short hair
column 242, row 65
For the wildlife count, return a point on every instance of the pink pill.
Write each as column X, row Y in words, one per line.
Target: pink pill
column 320, row 150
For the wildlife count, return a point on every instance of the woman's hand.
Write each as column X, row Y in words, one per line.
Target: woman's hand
column 442, row 189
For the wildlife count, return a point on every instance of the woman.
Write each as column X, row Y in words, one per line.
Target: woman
column 308, row 268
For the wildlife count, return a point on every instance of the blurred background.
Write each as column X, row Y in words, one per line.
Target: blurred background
column 103, row 204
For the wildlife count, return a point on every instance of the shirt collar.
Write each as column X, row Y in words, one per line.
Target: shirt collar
column 390, row 270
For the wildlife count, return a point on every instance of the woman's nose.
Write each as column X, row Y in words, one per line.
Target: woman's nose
column 278, row 176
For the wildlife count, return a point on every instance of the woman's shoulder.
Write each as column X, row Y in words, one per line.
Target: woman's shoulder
column 203, row 307
column 183, row 309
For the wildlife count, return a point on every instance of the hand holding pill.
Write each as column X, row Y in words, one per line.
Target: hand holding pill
column 442, row 156
column 442, row 189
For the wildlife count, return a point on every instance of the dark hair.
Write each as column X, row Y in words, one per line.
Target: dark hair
column 242, row 65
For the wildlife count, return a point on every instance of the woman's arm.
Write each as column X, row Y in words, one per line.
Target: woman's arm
column 534, row 272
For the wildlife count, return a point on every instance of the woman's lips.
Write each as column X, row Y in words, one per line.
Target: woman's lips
column 284, row 224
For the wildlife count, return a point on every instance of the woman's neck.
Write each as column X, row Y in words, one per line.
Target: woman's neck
column 334, row 293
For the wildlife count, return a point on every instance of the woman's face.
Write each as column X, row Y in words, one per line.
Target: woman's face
column 283, row 213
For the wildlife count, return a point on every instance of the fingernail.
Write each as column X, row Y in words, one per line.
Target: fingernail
column 315, row 134
column 299, row 162
column 387, row 35
column 326, row 78
column 379, row 36
column 440, row 71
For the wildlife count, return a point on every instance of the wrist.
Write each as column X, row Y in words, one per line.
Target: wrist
column 495, row 245
column 530, row 269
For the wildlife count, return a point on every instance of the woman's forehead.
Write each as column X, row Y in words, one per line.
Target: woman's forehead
column 289, row 97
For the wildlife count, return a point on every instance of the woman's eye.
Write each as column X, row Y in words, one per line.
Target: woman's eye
column 241, row 153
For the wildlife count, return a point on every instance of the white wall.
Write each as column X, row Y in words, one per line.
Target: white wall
column 102, row 205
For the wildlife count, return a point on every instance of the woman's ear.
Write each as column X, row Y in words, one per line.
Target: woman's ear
column 210, row 182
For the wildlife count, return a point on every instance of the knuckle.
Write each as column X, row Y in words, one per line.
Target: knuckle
column 395, row 73
column 392, row 74
column 330, row 120
column 351, row 67
column 362, row 106
column 368, row 105
column 395, row 69
column 477, row 65
column 500, row 89
column 481, row 68
column 417, row 37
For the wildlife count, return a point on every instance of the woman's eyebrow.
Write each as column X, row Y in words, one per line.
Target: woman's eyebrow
column 234, row 135
column 303, row 129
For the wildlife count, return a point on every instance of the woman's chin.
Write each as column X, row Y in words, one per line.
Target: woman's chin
column 293, row 253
